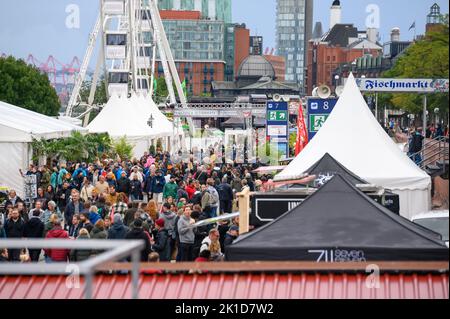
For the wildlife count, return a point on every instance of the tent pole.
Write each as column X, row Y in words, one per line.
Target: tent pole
column 244, row 210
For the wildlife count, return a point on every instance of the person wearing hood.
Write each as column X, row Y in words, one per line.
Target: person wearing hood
column 161, row 244
column 57, row 232
column 137, row 232
column 34, row 228
column 81, row 254
column 99, row 232
column 118, row 230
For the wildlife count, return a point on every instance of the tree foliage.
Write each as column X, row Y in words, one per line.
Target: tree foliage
column 25, row 86
column 77, row 147
column 427, row 58
column 123, row 149
column 100, row 92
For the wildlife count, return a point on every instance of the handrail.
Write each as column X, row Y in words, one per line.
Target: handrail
column 261, row 266
column 115, row 250
column 429, row 153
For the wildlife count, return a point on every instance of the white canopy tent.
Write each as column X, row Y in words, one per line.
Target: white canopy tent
column 18, row 127
column 163, row 124
column 352, row 136
column 123, row 117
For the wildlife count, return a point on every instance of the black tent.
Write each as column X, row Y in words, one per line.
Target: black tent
column 339, row 223
column 328, row 166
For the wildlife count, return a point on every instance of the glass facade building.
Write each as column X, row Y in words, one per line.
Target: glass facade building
column 194, row 39
column 213, row 9
column 293, row 31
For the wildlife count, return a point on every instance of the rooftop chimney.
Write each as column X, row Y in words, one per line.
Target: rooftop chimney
column 395, row 34
column 372, row 35
column 335, row 13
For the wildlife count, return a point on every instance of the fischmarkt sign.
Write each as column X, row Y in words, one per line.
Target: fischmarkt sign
column 403, row 85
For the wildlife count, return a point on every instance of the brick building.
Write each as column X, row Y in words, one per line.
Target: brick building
column 342, row 44
column 279, row 65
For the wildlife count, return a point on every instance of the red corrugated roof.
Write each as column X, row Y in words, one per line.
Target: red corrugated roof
column 234, row 286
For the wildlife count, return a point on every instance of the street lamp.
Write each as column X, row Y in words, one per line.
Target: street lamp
column 436, row 115
column 150, row 121
column 336, row 78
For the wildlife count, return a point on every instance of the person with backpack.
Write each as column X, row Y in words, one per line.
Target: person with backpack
column 213, row 199
column 161, row 244
column 170, row 220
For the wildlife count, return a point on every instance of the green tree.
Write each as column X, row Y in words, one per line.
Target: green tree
column 25, row 86
column 100, row 92
column 427, row 58
column 77, row 147
column 123, row 149
column 161, row 91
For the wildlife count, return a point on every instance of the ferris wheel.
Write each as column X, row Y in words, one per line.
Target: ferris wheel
column 132, row 38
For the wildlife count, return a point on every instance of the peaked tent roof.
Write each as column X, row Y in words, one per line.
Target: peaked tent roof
column 328, row 164
column 161, row 124
column 339, row 218
column 126, row 117
column 353, row 136
column 21, row 125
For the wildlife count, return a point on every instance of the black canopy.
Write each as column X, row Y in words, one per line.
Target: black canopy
column 339, row 223
column 328, row 166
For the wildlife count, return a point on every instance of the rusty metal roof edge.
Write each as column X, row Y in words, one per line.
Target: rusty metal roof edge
column 289, row 267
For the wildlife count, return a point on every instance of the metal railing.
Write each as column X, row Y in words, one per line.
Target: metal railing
column 115, row 250
column 433, row 151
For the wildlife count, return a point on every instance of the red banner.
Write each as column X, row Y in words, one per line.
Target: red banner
column 302, row 135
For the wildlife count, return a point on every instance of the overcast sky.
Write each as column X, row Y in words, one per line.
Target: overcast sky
column 39, row 26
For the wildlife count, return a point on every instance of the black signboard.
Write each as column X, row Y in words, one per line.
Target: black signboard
column 266, row 207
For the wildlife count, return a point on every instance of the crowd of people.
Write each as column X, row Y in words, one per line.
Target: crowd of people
column 151, row 199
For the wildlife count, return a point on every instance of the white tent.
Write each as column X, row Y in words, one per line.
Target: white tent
column 123, row 117
column 352, row 136
column 18, row 127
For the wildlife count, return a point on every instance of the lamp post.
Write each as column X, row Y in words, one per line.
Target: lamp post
column 150, row 121
column 436, row 115
column 336, row 79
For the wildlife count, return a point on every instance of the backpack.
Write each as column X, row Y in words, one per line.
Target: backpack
column 214, row 198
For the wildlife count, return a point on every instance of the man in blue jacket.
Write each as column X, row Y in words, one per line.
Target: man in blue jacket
column 157, row 186
column 226, row 196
